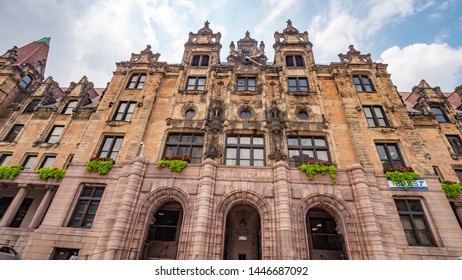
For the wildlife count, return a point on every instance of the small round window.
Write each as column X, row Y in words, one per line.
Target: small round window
column 245, row 114
column 302, row 115
column 190, row 113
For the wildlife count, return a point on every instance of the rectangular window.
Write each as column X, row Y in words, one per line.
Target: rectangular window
column 54, row 134
column 414, row 222
column 375, row 116
column 200, row 60
column 110, row 147
column 298, row 84
column 363, row 83
column 389, row 155
column 48, row 161
column 185, row 144
column 29, row 162
column 125, row 111
column 69, row 107
column 14, row 131
column 31, row 106
column 245, row 150
column 22, row 211
column 86, row 208
column 4, row 159
column 303, row 149
column 456, row 144
column 136, row 81
column 196, row 83
column 4, row 204
column 294, row 61
column 246, row 84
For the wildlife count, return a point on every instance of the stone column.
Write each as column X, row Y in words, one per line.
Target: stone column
column 42, row 208
column 284, row 223
column 201, row 231
column 372, row 235
column 14, row 206
column 122, row 225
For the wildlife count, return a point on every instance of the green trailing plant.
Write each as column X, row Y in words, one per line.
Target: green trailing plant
column 174, row 163
column 9, row 172
column 402, row 175
column 451, row 189
column 100, row 165
column 319, row 167
column 49, row 172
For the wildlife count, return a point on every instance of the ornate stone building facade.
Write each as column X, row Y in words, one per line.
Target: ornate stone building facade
column 246, row 125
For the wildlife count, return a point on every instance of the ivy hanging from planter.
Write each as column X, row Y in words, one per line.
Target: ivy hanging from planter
column 402, row 175
column 451, row 189
column 49, row 172
column 9, row 172
column 319, row 167
column 100, row 165
column 174, row 163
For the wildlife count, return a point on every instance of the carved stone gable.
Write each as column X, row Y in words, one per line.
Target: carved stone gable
column 291, row 35
column 355, row 57
column 145, row 56
column 248, row 52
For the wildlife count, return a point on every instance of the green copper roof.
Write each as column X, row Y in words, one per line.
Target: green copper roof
column 46, row 40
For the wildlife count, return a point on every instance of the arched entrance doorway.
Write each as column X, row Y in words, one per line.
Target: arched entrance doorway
column 164, row 232
column 325, row 243
column 243, row 234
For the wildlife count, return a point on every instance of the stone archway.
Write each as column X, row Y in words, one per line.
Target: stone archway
column 324, row 241
column 164, row 232
column 242, row 234
column 345, row 224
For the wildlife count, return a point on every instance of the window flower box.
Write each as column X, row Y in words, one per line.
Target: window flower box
column 402, row 176
column 100, row 165
column 9, row 172
column 174, row 163
column 451, row 189
column 49, row 172
column 319, row 167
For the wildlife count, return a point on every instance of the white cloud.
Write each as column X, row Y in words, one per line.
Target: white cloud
column 103, row 36
column 438, row 64
column 332, row 33
column 278, row 7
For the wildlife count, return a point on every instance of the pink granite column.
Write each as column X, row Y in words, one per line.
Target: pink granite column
column 122, row 225
column 42, row 208
column 369, row 223
column 14, row 206
column 284, row 223
column 200, row 244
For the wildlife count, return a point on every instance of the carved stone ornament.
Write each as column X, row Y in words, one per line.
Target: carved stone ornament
column 145, row 56
column 354, row 56
column 277, row 155
column 248, row 53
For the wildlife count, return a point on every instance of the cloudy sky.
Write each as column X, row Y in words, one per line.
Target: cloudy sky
column 418, row 39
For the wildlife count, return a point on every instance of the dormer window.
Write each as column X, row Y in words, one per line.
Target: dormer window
column 137, row 81
column 439, row 114
column 26, row 81
column 294, row 60
column 200, row 60
column 69, row 107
